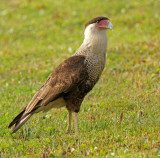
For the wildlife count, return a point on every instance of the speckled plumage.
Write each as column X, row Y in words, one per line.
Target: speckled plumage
column 69, row 83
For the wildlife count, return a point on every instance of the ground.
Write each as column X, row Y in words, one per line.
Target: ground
column 120, row 117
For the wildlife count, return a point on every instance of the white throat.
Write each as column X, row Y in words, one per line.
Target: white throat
column 95, row 36
column 95, row 42
column 94, row 48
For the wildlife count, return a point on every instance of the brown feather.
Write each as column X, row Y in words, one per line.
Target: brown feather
column 69, row 83
column 61, row 82
column 21, row 122
column 16, row 119
column 94, row 20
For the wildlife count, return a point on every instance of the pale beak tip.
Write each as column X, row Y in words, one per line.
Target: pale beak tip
column 110, row 26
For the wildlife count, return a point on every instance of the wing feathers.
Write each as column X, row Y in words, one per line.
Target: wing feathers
column 16, row 119
column 40, row 95
column 65, row 77
column 21, row 122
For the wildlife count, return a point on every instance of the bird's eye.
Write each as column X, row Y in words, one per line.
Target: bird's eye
column 98, row 21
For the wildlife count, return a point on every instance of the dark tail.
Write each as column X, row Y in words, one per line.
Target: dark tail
column 19, row 120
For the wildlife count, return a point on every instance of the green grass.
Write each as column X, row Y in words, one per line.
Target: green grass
column 120, row 117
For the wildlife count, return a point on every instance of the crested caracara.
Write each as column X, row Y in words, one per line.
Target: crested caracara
column 69, row 83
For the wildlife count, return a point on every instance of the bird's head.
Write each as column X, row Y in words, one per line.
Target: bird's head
column 99, row 23
column 95, row 29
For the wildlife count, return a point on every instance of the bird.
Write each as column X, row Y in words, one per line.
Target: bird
column 71, row 81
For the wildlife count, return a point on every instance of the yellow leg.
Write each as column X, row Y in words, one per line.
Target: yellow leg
column 76, row 123
column 69, row 122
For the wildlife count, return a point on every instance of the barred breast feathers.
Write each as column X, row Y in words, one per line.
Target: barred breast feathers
column 94, row 48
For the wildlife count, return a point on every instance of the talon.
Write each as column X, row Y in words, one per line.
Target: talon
column 67, row 132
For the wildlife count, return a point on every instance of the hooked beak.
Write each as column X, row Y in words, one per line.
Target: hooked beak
column 110, row 26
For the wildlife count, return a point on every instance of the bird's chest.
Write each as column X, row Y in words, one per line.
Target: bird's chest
column 95, row 66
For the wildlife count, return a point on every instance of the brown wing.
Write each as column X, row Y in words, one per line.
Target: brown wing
column 65, row 77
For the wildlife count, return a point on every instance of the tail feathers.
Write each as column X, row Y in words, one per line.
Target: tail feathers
column 19, row 120
column 16, row 119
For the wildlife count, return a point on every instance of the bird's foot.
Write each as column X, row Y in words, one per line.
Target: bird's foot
column 68, row 131
column 76, row 131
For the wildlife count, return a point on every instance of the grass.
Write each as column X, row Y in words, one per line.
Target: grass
column 120, row 117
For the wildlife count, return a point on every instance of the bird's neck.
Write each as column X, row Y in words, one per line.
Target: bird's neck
column 95, row 37
column 94, row 49
column 93, row 44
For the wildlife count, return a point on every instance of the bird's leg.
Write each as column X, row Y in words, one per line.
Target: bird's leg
column 76, row 123
column 69, row 122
